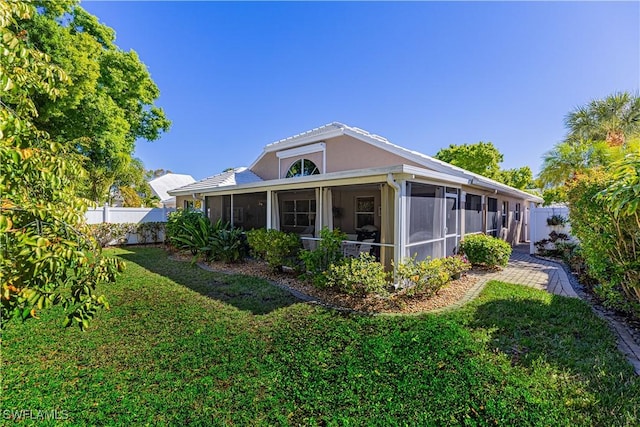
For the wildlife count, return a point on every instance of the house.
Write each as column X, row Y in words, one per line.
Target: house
column 337, row 176
column 161, row 185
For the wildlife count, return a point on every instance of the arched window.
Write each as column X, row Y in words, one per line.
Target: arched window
column 302, row 167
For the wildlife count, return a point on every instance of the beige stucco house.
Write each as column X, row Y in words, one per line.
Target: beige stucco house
column 401, row 202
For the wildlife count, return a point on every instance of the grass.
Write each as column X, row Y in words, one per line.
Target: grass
column 183, row 346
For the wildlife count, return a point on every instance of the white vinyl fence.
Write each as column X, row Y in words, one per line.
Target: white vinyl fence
column 133, row 217
column 540, row 229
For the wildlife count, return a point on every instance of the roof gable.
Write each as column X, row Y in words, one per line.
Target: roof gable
column 167, row 182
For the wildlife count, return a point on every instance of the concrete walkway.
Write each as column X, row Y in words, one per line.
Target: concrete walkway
column 524, row 269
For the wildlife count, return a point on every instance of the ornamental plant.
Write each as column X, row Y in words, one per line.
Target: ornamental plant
column 425, row 277
column 328, row 252
column 481, row 249
column 276, row 247
column 358, row 276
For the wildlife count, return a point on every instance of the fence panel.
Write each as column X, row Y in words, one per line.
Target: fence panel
column 118, row 215
column 539, row 227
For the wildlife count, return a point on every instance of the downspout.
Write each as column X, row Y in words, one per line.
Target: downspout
column 397, row 258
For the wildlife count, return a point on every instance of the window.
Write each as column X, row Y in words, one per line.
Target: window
column 365, row 211
column 302, row 167
column 517, row 212
column 492, row 216
column 505, row 214
column 473, row 214
column 298, row 213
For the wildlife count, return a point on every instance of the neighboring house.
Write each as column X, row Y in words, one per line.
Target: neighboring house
column 344, row 177
column 161, row 185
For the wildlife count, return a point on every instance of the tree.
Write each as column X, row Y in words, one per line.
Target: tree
column 613, row 119
column 110, row 104
column 47, row 256
column 481, row 158
column 570, row 158
column 521, row 178
column 484, row 159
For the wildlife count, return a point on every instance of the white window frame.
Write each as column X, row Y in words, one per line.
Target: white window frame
column 301, row 151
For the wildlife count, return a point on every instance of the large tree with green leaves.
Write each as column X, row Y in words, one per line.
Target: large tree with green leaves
column 484, row 159
column 111, row 101
column 47, row 256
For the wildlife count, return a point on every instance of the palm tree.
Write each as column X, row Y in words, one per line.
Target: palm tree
column 613, row 119
column 571, row 157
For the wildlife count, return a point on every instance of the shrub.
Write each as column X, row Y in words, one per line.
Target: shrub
column 328, row 252
column 455, row 265
column 189, row 229
column 423, row 277
column 609, row 237
column 276, row 247
column 228, row 244
column 481, row 249
column 106, row 233
column 358, row 276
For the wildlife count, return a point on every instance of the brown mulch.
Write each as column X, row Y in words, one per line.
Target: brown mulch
column 395, row 303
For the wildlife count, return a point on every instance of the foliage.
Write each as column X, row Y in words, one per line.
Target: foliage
column 613, row 119
column 609, row 237
column 358, row 276
column 553, row 195
column 276, row 247
column 481, row 249
column 111, row 102
column 521, row 178
column 623, row 194
column 455, row 265
column 482, row 158
column 428, row 276
column 47, row 257
column 228, row 244
column 248, row 353
column 555, row 245
column 328, row 252
column 191, row 230
column 106, row 233
column 556, row 220
column 570, row 158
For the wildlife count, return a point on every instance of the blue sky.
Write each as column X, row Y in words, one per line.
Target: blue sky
column 236, row 76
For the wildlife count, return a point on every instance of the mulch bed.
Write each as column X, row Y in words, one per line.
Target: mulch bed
column 395, row 303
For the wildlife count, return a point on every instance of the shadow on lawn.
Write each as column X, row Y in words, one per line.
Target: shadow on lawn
column 243, row 292
column 564, row 333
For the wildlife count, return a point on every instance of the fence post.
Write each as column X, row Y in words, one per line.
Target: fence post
column 105, row 213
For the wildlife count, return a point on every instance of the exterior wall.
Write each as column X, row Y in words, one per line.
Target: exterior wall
column 180, row 201
column 347, row 153
column 342, row 153
column 516, row 230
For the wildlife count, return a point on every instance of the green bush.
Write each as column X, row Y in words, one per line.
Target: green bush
column 275, row 247
column 489, row 251
column 228, row 245
column 189, row 229
column 358, row 276
column 106, row 233
column 455, row 265
column 422, row 277
column 328, row 252
column 609, row 237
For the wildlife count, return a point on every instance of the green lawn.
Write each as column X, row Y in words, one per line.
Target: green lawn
column 185, row 346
